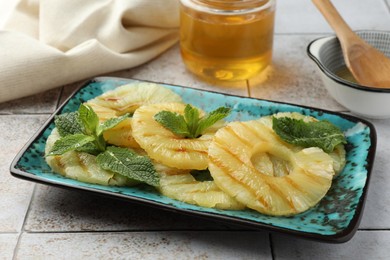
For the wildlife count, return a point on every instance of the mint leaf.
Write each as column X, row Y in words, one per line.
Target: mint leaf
column 89, row 119
column 90, row 148
column 322, row 134
column 213, row 117
column 173, row 122
column 202, row 175
column 69, row 143
column 68, row 124
column 128, row 163
column 190, row 125
column 191, row 116
column 110, row 123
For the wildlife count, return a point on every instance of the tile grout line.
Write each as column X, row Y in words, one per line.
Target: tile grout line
column 136, row 231
column 170, row 230
column 271, row 245
column 387, row 4
column 24, row 223
column 58, row 103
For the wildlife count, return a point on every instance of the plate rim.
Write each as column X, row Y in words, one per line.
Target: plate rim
column 341, row 237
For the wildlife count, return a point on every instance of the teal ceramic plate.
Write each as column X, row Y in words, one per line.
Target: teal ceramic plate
column 334, row 219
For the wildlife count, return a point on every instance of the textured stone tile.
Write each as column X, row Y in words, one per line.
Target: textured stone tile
column 364, row 245
column 15, row 193
column 377, row 210
column 293, row 77
column 44, row 102
column 145, row 245
column 54, row 209
column 301, row 16
column 7, row 245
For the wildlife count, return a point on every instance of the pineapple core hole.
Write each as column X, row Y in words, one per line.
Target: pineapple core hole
column 270, row 164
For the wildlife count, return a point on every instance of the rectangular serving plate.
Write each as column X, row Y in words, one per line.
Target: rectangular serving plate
column 335, row 219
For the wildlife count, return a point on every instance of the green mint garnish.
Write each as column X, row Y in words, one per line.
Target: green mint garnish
column 191, row 125
column 89, row 119
column 322, row 134
column 202, row 175
column 81, row 131
column 129, row 164
column 110, row 123
column 68, row 124
column 70, row 143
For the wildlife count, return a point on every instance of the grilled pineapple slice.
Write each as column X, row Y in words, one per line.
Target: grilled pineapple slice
column 181, row 185
column 126, row 99
column 81, row 166
column 338, row 154
column 164, row 146
column 234, row 160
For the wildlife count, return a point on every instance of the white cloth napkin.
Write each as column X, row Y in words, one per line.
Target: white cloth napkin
column 49, row 43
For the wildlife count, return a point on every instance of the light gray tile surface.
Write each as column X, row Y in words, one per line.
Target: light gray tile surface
column 7, row 245
column 15, row 193
column 58, row 210
column 364, row 245
column 377, row 210
column 293, row 76
column 141, row 245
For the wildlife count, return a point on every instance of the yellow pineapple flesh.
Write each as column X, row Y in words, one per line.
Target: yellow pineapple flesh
column 181, row 185
column 338, row 154
column 234, row 160
column 163, row 145
column 126, row 99
column 81, row 166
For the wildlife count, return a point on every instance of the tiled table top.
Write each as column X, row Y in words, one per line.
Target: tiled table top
column 43, row 222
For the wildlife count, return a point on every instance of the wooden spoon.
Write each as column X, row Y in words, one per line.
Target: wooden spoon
column 369, row 66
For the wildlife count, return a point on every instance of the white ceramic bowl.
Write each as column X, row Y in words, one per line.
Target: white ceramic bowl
column 368, row 102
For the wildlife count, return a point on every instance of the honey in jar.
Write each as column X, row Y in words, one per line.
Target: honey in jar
column 227, row 40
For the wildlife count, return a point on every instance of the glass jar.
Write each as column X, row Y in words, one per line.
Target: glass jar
column 226, row 40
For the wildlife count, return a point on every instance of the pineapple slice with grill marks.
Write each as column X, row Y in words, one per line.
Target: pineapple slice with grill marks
column 232, row 164
column 126, row 99
column 174, row 183
column 181, row 185
column 163, row 145
column 338, row 154
column 81, row 166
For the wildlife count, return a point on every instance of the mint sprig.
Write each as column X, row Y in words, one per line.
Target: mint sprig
column 68, row 124
column 81, row 131
column 191, row 125
column 322, row 134
column 128, row 163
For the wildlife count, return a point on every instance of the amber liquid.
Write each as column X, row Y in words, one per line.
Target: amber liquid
column 226, row 47
column 343, row 72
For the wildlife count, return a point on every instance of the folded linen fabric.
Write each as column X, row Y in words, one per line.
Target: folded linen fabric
column 46, row 43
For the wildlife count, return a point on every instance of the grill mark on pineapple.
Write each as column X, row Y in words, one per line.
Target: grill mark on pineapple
column 57, row 159
column 227, row 150
column 312, row 177
column 280, row 194
column 186, row 150
column 294, row 184
column 237, row 136
column 226, row 170
column 251, row 130
column 83, row 165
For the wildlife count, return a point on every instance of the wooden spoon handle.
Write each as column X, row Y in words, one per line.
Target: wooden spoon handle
column 343, row 31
